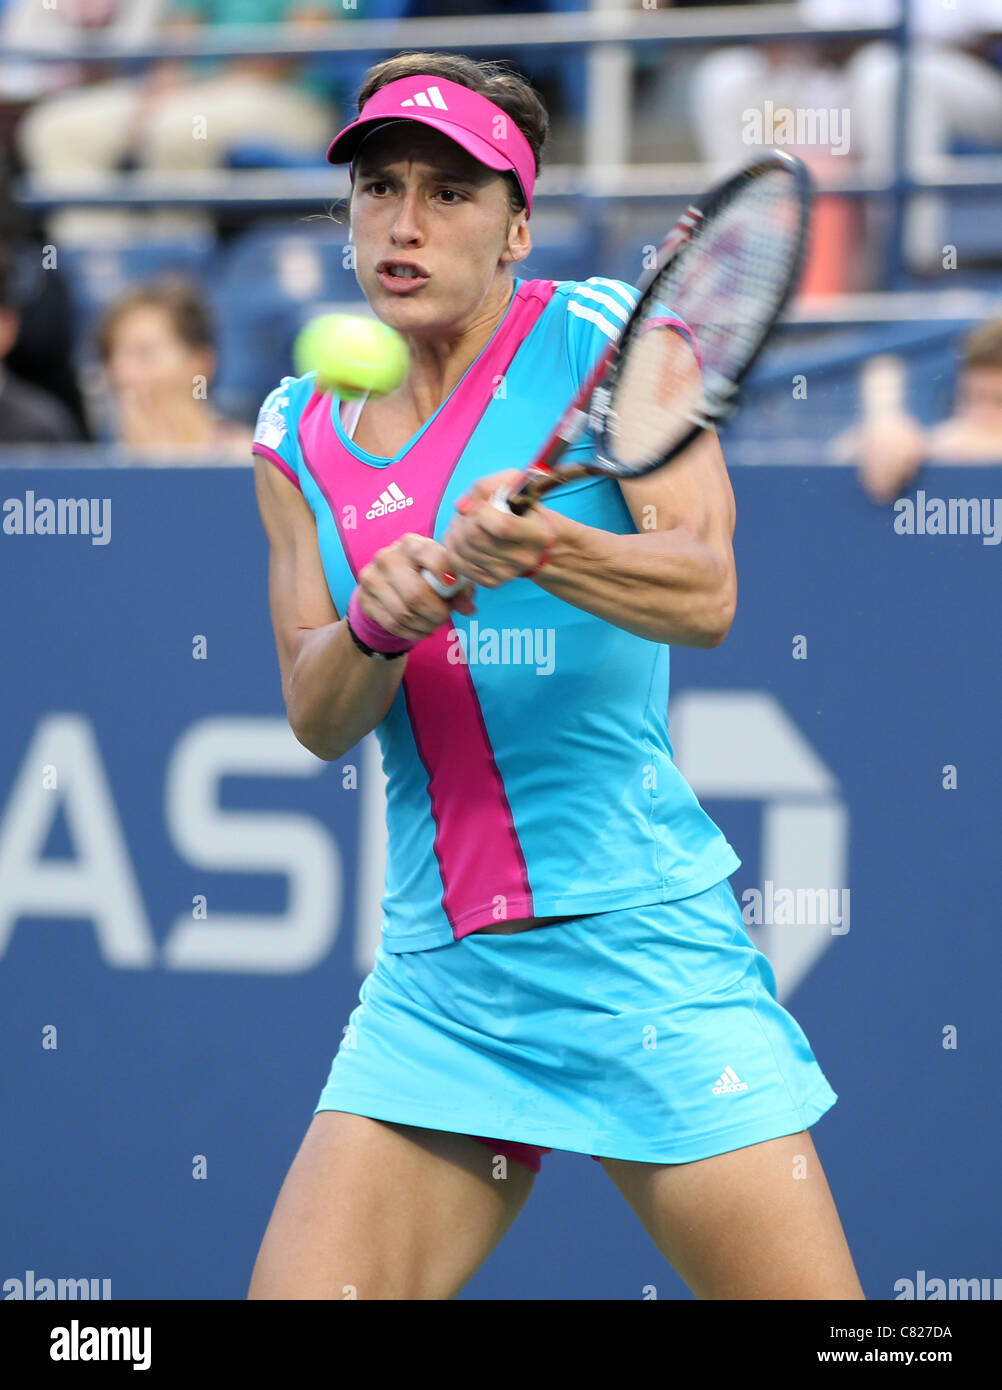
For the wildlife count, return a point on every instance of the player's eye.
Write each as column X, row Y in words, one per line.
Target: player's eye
column 454, row 193
column 373, row 184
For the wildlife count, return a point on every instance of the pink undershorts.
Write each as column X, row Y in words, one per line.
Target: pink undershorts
column 529, row 1154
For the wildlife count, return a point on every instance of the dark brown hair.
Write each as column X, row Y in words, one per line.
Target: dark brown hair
column 983, row 346
column 181, row 299
column 496, row 81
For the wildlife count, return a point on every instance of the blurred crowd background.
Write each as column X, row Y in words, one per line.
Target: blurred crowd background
column 167, row 220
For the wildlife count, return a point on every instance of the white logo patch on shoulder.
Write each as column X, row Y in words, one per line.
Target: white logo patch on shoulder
column 270, row 429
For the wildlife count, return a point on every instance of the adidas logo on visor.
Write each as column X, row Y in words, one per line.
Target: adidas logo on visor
column 431, row 96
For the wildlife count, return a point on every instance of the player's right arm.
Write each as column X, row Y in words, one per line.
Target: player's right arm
column 334, row 694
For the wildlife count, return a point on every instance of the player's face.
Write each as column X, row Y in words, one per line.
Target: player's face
column 147, row 355
column 981, row 397
column 419, row 197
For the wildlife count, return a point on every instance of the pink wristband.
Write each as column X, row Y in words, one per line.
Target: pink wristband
column 373, row 634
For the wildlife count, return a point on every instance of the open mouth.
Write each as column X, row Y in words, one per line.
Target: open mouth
column 401, row 275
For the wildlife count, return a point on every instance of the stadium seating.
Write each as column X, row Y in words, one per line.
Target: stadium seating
column 97, row 275
column 807, row 388
column 265, row 282
column 270, row 280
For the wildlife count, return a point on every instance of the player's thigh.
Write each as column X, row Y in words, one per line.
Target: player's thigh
column 759, row 1222
column 371, row 1209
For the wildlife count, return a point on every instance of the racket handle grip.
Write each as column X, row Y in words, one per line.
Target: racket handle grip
column 439, row 585
column 499, row 500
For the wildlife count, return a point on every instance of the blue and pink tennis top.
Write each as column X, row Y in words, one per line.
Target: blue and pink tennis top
column 528, row 764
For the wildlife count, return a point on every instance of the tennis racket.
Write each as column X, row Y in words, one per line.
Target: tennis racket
column 727, row 269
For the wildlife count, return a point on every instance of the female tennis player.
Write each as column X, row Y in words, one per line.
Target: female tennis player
column 563, row 962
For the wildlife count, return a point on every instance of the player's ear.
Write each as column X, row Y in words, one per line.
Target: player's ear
column 519, row 238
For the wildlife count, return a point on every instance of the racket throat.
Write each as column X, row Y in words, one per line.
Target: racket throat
column 571, row 427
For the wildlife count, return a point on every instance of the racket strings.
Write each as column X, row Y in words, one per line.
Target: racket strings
column 725, row 284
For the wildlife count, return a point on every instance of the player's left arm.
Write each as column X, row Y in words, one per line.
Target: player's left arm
column 673, row 581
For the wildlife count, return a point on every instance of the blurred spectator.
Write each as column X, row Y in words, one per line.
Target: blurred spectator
column 42, row 25
column 156, row 347
column 889, row 445
column 43, row 354
column 28, row 414
column 179, row 115
column 956, row 93
column 36, row 24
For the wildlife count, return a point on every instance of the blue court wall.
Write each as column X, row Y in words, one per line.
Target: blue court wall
column 184, row 916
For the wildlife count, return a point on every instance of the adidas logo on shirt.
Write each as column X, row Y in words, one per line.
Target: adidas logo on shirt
column 391, row 499
column 431, row 96
column 728, row 1081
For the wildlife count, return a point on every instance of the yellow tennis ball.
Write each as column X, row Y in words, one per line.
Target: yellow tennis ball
column 351, row 355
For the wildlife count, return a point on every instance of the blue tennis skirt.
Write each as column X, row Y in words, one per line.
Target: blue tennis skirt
column 652, row 1034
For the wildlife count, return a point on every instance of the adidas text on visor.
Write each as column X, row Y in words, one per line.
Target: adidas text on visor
column 483, row 129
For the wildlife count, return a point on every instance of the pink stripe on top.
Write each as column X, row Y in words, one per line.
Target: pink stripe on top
column 476, row 846
column 479, row 855
column 277, row 459
column 680, row 327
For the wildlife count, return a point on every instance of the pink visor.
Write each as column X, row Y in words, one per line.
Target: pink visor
column 483, row 129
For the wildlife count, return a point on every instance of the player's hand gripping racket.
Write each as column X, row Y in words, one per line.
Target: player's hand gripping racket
column 727, row 268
